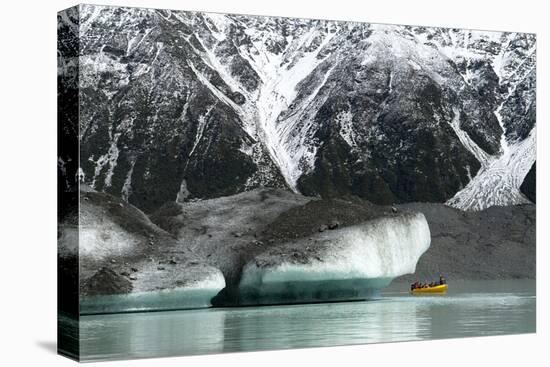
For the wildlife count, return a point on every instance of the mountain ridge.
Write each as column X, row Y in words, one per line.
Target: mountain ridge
column 179, row 105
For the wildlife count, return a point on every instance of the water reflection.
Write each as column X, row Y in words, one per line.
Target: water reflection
column 139, row 335
column 395, row 317
column 301, row 326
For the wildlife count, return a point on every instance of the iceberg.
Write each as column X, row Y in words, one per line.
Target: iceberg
column 189, row 295
column 257, row 248
column 125, row 263
column 352, row 263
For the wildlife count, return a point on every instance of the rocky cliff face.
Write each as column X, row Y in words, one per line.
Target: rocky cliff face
column 529, row 185
column 179, row 105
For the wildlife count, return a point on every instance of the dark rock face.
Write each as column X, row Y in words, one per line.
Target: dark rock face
column 520, row 109
column 105, row 281
column 409, row 161
column 183, row 105
column 529, row 185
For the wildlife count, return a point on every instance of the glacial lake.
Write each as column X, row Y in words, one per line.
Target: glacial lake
column 470, row 308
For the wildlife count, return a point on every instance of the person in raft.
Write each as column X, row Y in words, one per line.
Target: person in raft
column 416, row 285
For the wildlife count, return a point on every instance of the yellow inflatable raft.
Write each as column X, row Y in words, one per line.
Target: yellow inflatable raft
column 442, row 288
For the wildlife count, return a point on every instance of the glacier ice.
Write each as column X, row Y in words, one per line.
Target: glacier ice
column 189, row 296
column 127, row 263
column 352, row 263
column 499, row 179
column 140, row 273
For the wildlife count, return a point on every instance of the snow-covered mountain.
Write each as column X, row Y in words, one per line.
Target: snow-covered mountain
column 177, row 105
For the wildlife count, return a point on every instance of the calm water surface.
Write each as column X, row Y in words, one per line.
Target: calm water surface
column 468, row 309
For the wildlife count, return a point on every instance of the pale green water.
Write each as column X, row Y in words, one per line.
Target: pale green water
column 468, row 309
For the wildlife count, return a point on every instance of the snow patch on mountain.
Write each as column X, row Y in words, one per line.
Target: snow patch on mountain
column 483, row 157
column 344, row 121
column 108, row 159
column 280, row 74
column 127, row 187
column 277, row 92
column 498, row 181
